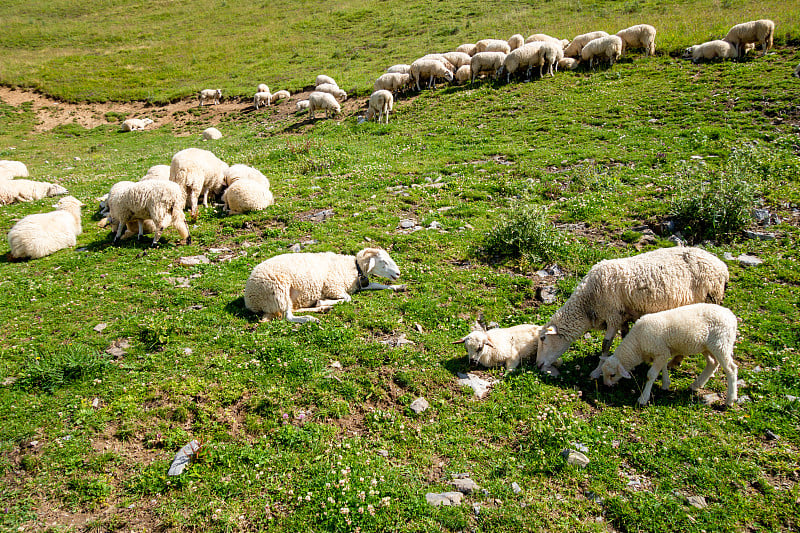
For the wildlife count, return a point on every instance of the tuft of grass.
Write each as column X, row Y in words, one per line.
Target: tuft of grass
column 527, row 233
column 49, row 371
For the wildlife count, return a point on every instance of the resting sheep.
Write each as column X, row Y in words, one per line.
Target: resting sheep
column 135, row 124
column 756, row 31
column 718, row 49
column 324, row 101
column 577, row 44
column 214, row 95
column 197, row 172
column 332, row 89
column 159, row 201
column 262, row 98
column 246, row 195
column 293, row 282
column 322, row 79
column 238, row 172
column 486, row 62
column 12, row 191
column 618, row 291
column 279, row 95
column 393, row 82
column 492, row 45
column 380, row 105
column 431, row 69
column 211, row 134
column 42, row 234
column 639, row 36
column 13, row 169
column 665, row 338
column 607, row 48
column 501, row 346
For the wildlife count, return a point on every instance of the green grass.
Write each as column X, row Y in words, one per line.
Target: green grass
column 288, row 441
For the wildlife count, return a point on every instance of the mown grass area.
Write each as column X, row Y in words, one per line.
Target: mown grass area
column 291, row 442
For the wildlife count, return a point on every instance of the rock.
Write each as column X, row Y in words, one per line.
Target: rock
column 211, row 134
column 320, row 216
column 575, row 458
column 96, row 403
column 100, row 327
column 33, row 443
column 547, row 294
column 336, row 364
column 218, row 250
column 295, row 247
column 727, row 256
column 743, row 399
column 770, row 435
column 592, row 496
column 407, row 224
column 761, row 216
column 182, row 458
column 476, row 508
column 444, row 498
column 697, row 501
column 434, row 225
column 757, row 369
column 791, row 398
column 749, row 260
column 194, row 260
column 676, row 239
column 542, row 273
column 420, row 405
column 708, row 399
column 394, row 342
column 516, row 488
column 480, row 387
column 760, row 235
column 465, row 485
column 118, row 347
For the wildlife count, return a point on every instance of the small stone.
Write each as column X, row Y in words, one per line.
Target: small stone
column 337, row 365
column 743, row 399
column 580, row 447
column 548, row 294
column 33, row 443
column 479, row 386
column 757, row 369
column 420, row 405
column 218, row 250
column 761, row 216
column 321, row 216
column 516, row 488
column 727, row 256
column 768, row 433
column 383, row 453
column 434, row 225
column 407, row 224
column 791, row 398
column 295, row 247
column 760, row 235
column 677, row 240
column 100, row 327
column 444, row 498
column 542, row 273
column 575, row 458
column 476, row 508
column 96, row 403
column 182, row 458
column 749, row 260
column 211, row 134
column 697, row 501
column 709, row 399
column 187, row 351
column 194, row 260
column 465, row 485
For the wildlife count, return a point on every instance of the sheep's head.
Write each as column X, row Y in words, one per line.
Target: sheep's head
column 68, row 201
column 476, row 343
column 611, row 369
column 688, row 52
column 551, row 346
column 56, row 190
column 378, row 263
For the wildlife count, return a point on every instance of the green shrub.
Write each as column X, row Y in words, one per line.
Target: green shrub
column 526, row 233
column 52, row 370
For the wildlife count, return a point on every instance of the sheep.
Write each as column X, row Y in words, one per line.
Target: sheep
column 549, row 55
column 292, row 282
column 323, row 79
column 332, row 89
column 197, row 172
column 603, row 48
column 515, row 41
column 380, row 104
column 215, row 95
column 324, row 101
column 717, row 49
column 577, row 44
column 246, row 195
column 543, row 37
column 262, row 88
column 12, row 191
column 463, row 74
column 501, row 346
column 302, row 104
column 262, row 98
column 639, row 36
column 392, row 82
column 237, row 172
column 42, row 234
column 468, row 48
column 13, row 169
column 492, row 45
column 664, row 339
column 135, row 124
column 520, row 60
column 399, row 69
column 429, row 68
column 486, row 62
column 157, row 172
column 457, row 59
column 617, row 291
column 134, row 226
column 568, row 63
column 159, row 201
column 279, row 95
column 211, row 134
column 441, row 57
column 755, row 31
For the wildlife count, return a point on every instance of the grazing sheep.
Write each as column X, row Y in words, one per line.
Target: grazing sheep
column 457, row 59
column 215, row 95
column 710, row 50
column 246, row 195
column 501, row 346
column 568, row 63
column 211, row 134
column 755, row 31
column 135, row 124
column 492, row 45
column 618, row 291
column 332, row 89
column 543, row 37
column 665, row 338
column 322, row 79
column 515, row 41
column 13, row 169
column 238, row 172
column 577, row 44
column 134, row 226
column 431, row 69
column 289, row 282
column 399, row 69
column 263, row 88
column 279, row 95
column 393, row 82
column 607, row 48
column 42, row 234
column 380, row 104
column 639, row 36
column 262, row 98
column 12, row 191
column 463, row 74
column 323, row 101
column 520, row 61
column 468, row 48
column 197, row 172
column 441, row 57
column 486, row 62
column 157, row 172
column 549, row 56
column 302, row 104
column 159, row 201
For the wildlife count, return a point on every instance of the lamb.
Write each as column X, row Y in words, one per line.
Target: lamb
column 137, row 227
column 577, row 44
column 457, row 59
column 237, row 172
column 393, row 82
column 501, row 346
column 211, row 134
column 515, row 41
column 756, row 31
column 323, row 79
column 380, row 104
column 399, row 69
column 520, row 60
column 429, row 68
column 664, row 339
column 717, row 49
column 197, row 172
column 302, row 104
column 246, row 195
column 639, row 36
column 135, row 124
column 324, row 101
column 159, row 201
column 617, row 291
column 332, row 89
column 292, row 282
column 468, row 48
column 492, row 45
column 262, row 88
column 262, row 98
column 279, row 95
column 13, row 169
column 463, row 74
column 568, row 63
column 12, row 191
column 215, row 95
column 486, row 62
column 42, row 234
column 607, row 48
column 157, row 172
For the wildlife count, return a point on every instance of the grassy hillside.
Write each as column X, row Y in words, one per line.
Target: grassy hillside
column 112, row 358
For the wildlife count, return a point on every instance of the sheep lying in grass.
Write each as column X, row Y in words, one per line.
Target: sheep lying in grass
column 42, row 234
column 323, row 79
column 301, row 282
column 710, row 50
column 665, row 338
column 156, row 200
column 246, row 195
column 608, row 48
column 135, row 124
column 431, row 69
column 13, row 169
column 332, row 89
column 279, row 95
column 197, row 172
column 755, row 31
column 577, row 44
column 486, row 63
column 618, row 291
column 380, row 105
column 261, row 98
column 12, row 191
column 213, row 95
column 323, row 101
column 639, row 36
column 501, row 346
column 393, row 82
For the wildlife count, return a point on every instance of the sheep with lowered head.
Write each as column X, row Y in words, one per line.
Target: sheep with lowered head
column 332, row 89
column 156, row 200
column 279, row 95
column 238, row 172
column 262, row 88
column 515, row 41
column 323, row 79
column 392, row 82
column 664, row 339
column 42, row 234
column 486, row 62
column 262, row 98
column 618, row 291
column 302, row 104
column 380, row 105
column 501, row 346
column 135, row 124
column 639, row 36
column 12, row 191
column 399, row 69
column 710, row 50
column 430, row 69
column 213, row 95
column 246, row 195
column 543, row 37
column 198, row 172
column 157, row 172
column 13, row 169
column 520, row 61
column 577, row 44
column 607, row 48
column 323, row 101
column 492, row 45
column 756, row 31
column 463, row 74
column 302, row 281
column 468, row 48
column 568, row 63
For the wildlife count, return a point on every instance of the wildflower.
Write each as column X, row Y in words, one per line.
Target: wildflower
column 344, row 510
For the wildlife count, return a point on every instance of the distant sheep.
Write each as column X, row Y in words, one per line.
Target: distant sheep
column 211, row 134
column 399, row 69
column 515, row 41
column 12, row 191
column 263, row 88
column 325, row 102
column 468, row 48
column 543, row 37
column 393, row 82
column 710, row 50
column 492, row 45
column 549, row 56
column 577, row 44
column 486, row 63
column 332, row 89
column 247, row 195
column 756, row 31
column 430, row 69
column 42, row 234
column 159, row 201
column 214, row 95
column 13, row 169
column 197, row 172
column 457, row 59
column 262, row 98
column 323, row 79
column 279, row 95
column 639, row 36
column 135, row 124
column 380, row 105
column 607, row 49
column 501, row 346
column 441, row 57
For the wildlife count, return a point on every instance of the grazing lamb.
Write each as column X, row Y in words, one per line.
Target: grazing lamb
column 302, row 104
column 577, row 44
column 214, row 95
column 756, row 31
column 568, row 63
column 12, row 191
column 323, row 79
column 197, row 172
column 468, row 48
column 159, row 201
column 665, row 338
column 262, row 98
column 607, row 48
column 380, row 105
column 293, row 282
column 718, row 49
column 332, row 89
column 520, row 61
column 13, row 169
column 262, row 88
column 393, row 82
column 399, row 69
column 492, row 45
column 463, row 74
column 431, row 69
column 639, row 36
column 486, row 62
column 157, row 172
column 618, row 291
column 324, row 101
column 501, row 346
column 279, row 95
column 515, row 41
column 211, row 134
column 42, row 234
column 135, row 124
column 238, row 172
column 246, row 195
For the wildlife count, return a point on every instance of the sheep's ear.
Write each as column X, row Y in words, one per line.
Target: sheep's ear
column 487, row 342
column 551, row 330
column 597, row 372
column 371, row 264
column 623, row 371
column 459, row 341
column 481, row 321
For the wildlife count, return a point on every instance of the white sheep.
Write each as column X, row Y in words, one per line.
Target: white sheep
column 302, row 104
column 520, row 61
column 42, row 234
column 262, row 88
column 618, row 291
column 515, row 41
column 468, row 48
column 159, row 201
column 756, row 31
column 133, row 226
column 238, row 172
column 197, row 172
column 568, row 63
column 639, row 36
column 486, row 62
column 457, row 59
column 380, row 105
column 608, row 48
column 157, row 172
column 549, row 56
column 441, row 57
column 543, row 37
column 301, row 281
column 431, row 69
column 492, row 45
column 399, row 69
column 13, row 169
column 214, row 95
column 323, row 101
column 12, row 191
column 501, row 346
column 262, row 98
column 211, row 134
column 279, row 95
column 664, row 339
column 135, row 124
column 332, row 89
column 463, row 74
column 393, row 82
column 323, row 79
column 246, row 195
column 717, row 49
column 577, row 44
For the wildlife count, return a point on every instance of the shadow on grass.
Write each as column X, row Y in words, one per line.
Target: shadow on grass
column 237, row 309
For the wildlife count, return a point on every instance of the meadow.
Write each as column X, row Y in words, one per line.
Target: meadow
column 113, row 358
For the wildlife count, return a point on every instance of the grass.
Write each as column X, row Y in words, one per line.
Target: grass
column 291, row 442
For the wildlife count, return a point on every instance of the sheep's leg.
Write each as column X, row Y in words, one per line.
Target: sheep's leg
column 298, row 319
column 730, row 369
column 665, row 378
column 659, row 365
column 205, row 198
column 708, row 371
column 156, row 236
column 141, row 229
column 121, row 227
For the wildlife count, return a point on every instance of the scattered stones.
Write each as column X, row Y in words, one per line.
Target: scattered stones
column 516, row 488
column 465, row 485
column 575, row 458
column 593, row 497
column 697, row 501
column 727, row 256
column 320, row 216
column 182, row 458
column 420, row 405
column 118, row 348
column 394, row 342
column 480, row 387
column 580, row 447
column 760, row 235
column 193, row 260
column 749, row 260
column 407, row 224
column 295, row 247
column 770, row 435
column 547, row 294
column 218, row 250
column 444, row 498
column 434, row 225
column 100, row 327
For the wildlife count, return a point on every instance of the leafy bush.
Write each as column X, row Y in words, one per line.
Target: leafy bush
column 526, row 233
column 49, row 371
